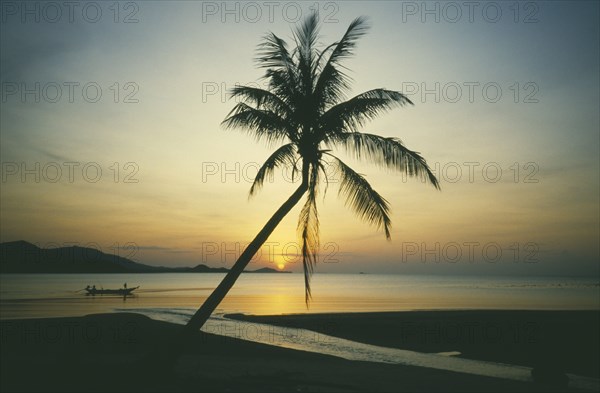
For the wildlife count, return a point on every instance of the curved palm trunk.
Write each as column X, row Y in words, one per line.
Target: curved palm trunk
column 211, row 303
column 161, row 361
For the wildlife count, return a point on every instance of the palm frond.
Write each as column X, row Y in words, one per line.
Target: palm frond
column 273, row 53
column 283, row 86
column 262, row 99
column 332, row 82
column 346, row 45
column 363, row 199
column 386, row 152
column 306, row 38
column 331, row 87
column 282, row 71
column 282, row 156
column 354, row 113
column 308, row 230
column 262, row 123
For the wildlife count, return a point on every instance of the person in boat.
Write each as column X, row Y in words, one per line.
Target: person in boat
column 125, row 286
column 93, row 287
column 87, row 288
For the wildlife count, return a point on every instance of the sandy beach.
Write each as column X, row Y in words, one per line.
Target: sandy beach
column 113, row 352
column 567, row 340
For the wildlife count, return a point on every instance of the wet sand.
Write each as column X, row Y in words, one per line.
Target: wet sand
column 567, row 341
column 115, row 352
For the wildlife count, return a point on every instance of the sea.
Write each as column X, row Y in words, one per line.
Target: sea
column 174, row 297
column 56, row 295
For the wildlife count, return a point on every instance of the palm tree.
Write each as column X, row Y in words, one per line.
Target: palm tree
column 304, row 107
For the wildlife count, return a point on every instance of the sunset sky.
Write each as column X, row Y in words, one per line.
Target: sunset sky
column 506, row 112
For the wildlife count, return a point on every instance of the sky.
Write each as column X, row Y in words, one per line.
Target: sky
column 110, row 134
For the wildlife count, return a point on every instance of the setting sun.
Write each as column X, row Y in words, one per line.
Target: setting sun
column 280, row 266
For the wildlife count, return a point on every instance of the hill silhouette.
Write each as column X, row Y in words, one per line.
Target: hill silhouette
column 24, row 257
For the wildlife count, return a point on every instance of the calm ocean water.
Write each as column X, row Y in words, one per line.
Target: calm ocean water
column 52, row 295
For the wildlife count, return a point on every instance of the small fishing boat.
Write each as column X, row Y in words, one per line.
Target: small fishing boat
column 121, row 291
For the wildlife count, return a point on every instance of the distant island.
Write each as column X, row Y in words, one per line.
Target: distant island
column 24, row 257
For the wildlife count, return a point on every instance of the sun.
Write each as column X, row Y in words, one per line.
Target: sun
column 280, row 265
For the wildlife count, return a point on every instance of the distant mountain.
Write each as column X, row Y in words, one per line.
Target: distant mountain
column 23, row 257
column 267, row 270
column 206, row 269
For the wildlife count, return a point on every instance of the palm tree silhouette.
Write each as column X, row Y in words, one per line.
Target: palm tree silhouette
column 304, row 107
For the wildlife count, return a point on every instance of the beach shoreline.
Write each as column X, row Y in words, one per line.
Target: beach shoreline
column 566, row 340
column 101, row 353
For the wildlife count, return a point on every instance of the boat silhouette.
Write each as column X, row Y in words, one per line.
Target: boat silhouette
column 93, row 291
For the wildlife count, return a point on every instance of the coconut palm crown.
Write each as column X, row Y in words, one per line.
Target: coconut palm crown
column 304, row 107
